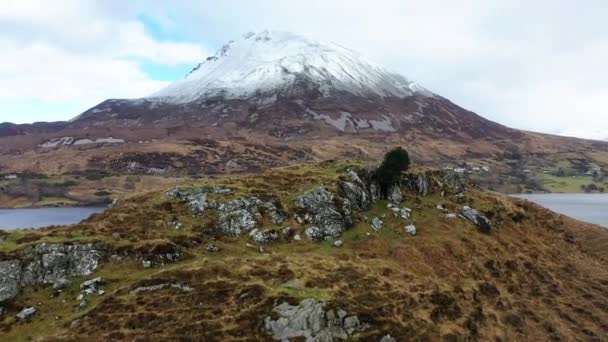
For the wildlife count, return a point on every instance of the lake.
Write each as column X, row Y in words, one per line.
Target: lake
column 43, row 217
column 584, row 207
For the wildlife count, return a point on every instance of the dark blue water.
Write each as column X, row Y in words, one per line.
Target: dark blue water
column 43, row 217
column 584, row 207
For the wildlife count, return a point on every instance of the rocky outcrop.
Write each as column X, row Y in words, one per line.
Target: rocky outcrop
column 482, row 222
column 355, row 192
column 434, row 181
column 234, row 216
column 312, row 321
column 318, row 208
column 47, row 264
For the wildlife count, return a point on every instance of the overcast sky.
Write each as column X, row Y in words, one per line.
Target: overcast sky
column 538, row 65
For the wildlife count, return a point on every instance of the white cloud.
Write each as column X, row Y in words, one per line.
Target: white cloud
column 78, row 54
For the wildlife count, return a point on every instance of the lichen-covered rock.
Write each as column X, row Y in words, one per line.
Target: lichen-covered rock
column 405, row 213
column 312, row 321
column 263, row 236
column 319, row 209
column 394, row 195
column 90, row 286
column 234, row 216
column 376, row 224
column 482, row 222
column 26, row 313
column 10, row 277
column 47, row 264
column 355, row 192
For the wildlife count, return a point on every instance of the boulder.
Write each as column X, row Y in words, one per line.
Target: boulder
column 263, row 236
column 213, row 248
column 26, row 313
column 377, row 224
column 410, row 229
column 90, row 286
column 482, row 222
column 405, row 213
column 338, row 243
column 310, row 320
column 319, row 209
column 315, row 233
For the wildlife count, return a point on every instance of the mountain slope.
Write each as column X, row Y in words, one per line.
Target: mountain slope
column 273, row 99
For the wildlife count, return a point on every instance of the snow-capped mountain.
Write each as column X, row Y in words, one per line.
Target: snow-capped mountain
column 284, row 85
column 269, row 62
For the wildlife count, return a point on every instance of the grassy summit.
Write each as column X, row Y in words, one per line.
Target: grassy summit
column 536, row 275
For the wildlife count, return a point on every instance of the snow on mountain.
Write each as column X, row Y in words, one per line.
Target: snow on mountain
column 268, row 61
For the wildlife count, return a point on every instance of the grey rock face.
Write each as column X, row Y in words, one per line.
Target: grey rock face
column 312, row 321
column 377, row 224
column 26, row 313
column 47, row 264
column 374, row 191
column 394, row 195
column 10, row 277
column 319, row 209
column 482, row 222
column 355, row 192
column 241, row 215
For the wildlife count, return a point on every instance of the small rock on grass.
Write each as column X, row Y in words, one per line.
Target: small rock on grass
column 26, row 313
column 338, row 243
column 410, row 229
column 213, row 248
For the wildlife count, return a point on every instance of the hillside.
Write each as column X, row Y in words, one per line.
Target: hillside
column 312, row 250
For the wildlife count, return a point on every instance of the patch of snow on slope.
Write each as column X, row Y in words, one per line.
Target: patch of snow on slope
column 65, row 141
column 109, row 140
column 340, row 123
column 385, row 125
column 269, row 61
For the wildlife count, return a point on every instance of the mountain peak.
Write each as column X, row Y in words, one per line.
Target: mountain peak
column 273, row 61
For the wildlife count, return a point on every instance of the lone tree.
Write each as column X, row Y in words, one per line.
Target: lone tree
column 395, row 161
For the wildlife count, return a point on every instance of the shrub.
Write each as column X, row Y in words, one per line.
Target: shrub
column 395, row 161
